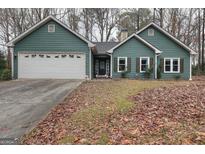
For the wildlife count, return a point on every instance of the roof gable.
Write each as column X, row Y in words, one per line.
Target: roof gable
column 168, row 35
column 41, row 23
column 138, row 38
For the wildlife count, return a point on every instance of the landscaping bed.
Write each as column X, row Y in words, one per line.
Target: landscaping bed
column 126, row 112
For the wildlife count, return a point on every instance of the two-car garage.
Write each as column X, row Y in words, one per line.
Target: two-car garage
column 59, row 65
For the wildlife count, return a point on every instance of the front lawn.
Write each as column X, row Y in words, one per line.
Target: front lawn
column 126, row 112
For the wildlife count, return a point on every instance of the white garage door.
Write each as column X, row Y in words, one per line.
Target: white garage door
column 51, row 66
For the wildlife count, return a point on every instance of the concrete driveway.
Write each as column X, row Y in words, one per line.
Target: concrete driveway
column 24, row 102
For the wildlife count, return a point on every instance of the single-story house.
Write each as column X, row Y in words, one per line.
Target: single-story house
column 50, row 49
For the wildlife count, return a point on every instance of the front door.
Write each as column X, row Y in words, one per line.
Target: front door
column 102, row 67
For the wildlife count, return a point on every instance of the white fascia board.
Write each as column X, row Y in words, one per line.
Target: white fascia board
column 139, row 38
column 30, row 30
column 169, row 35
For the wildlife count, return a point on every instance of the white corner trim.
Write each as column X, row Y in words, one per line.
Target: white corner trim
column 148, row 58
column 111, row 65
column 155, row 66
column 190, row 71
column 12, row 61
column 90, row 70
column 30, row 30
column 169, row 35
column 118, row 64
column 139, row 38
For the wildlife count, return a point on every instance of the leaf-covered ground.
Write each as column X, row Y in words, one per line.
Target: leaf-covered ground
column 126, row 112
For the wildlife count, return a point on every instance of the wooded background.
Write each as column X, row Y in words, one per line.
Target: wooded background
column 104, row 24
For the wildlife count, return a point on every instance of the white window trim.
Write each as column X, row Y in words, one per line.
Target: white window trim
column 150, row 34
column 118, row 59
column 171, row 65
column 54, row 28
column 148, row 58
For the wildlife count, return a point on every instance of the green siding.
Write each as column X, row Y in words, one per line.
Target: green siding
column 133, row 48
column 61, row 40
column 169, row 49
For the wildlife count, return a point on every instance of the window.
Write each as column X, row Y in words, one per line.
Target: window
column 57, row 56
column 26, row 56
column 78, row 56
column 150, row 32
column 47, row 56
column 51, row 28
column 171, row 65
column 144, row 64
column 122, row 64
column 71, row 56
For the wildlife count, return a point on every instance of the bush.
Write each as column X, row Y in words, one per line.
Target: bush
column 148, row 73
column 177, row 77
column 197, row 70
column 2, row 62
column 124, row 74
column 159, row 75
column 6, row 74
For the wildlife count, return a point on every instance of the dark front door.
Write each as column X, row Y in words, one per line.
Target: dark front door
column 102, row 67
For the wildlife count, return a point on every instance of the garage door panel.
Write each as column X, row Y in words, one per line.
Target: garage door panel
column 58, row 68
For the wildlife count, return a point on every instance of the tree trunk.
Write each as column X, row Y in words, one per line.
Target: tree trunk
column 203, row 40
column 154, row 14
column 161, row 17
column 138, row 20
column 199, row 39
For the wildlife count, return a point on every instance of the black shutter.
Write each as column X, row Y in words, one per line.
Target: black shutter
column 137, row 65
column 115, row 65
column 128, row 64
column 181, row 65
column 162, row 65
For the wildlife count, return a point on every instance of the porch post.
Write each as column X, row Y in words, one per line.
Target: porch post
column 155, row 76
column 12, row 61
column 110, row 65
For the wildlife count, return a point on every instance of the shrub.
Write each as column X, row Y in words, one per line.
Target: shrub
column 148, row 73
column 194, row 70
column 124, row 74
column 2, row 62
column 159, row 75
column 6, row 74
column 177, row 77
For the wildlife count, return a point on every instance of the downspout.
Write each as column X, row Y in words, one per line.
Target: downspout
column 90, row 73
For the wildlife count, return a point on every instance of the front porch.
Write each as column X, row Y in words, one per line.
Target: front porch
column 102, row 66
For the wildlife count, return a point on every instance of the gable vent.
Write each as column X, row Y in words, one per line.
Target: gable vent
column 150, row 32
column 51, row 28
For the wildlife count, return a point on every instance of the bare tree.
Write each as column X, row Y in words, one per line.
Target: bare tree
column 199, row 38
column 203, row 26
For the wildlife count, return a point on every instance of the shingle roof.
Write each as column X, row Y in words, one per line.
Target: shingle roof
column 103, row 47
